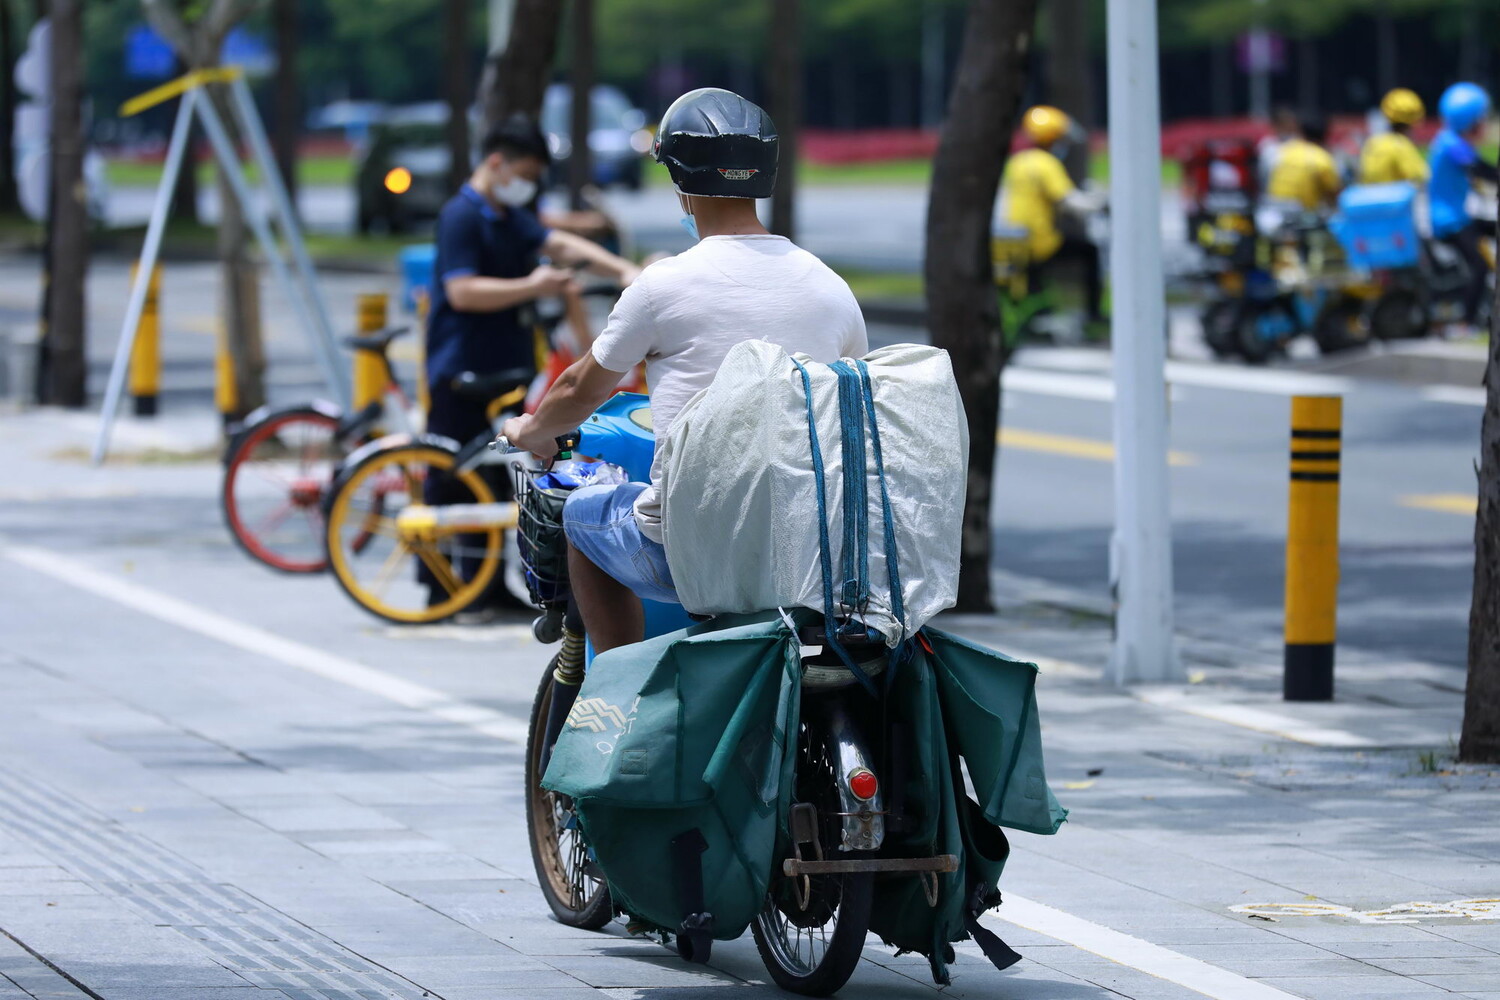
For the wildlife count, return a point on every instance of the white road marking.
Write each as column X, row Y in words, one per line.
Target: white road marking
column 1069, row 369
column 67, row 493
column 1248, row 717
column 1462, row 395
column 1065, row 384
column 1262, row 380
column 1133, row 952
column 262, row 643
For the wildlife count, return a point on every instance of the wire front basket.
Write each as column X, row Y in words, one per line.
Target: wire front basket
column 539, row 536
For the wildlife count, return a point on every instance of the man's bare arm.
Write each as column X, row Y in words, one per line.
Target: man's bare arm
column 567, row 248
column 478, row 293
column 576, row 394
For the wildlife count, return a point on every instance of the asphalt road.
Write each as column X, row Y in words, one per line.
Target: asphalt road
column 1407, row 489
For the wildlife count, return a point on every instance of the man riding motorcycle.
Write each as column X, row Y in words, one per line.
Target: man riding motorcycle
column 1305, row 172
column 681, row 317
column 1455, row 165
column 1392, row 156
column 1036, row 187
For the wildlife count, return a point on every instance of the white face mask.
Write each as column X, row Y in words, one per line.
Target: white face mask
column 516, row 192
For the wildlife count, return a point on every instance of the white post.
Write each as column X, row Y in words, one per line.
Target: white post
column 1141, row 548
column 115, row 390
column 501, row 12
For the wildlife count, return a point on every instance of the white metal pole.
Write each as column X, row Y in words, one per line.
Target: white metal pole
column 115, row 389
column 321, row 333
column 229, row 163
column 501, row 13
column 1141, row 548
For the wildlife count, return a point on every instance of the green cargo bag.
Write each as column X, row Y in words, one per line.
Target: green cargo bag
column 955, row 700
column 678, row 755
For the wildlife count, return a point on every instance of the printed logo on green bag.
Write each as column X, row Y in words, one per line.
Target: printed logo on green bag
column 596, row 715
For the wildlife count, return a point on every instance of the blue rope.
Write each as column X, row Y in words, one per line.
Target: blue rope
column 892, row 562
column 829, row 630
column 855, row 589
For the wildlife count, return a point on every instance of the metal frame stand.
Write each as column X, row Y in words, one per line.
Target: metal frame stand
column 297, row 280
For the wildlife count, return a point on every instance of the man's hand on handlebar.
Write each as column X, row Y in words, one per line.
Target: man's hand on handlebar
column 518, row 432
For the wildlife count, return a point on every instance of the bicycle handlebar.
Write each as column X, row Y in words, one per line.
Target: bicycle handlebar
column 566, row 444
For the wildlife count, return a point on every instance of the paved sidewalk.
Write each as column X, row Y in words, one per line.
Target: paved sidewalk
column 215, row 783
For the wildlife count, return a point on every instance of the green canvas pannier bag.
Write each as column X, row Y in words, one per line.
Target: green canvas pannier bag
column 678, row 755
column 955, row 701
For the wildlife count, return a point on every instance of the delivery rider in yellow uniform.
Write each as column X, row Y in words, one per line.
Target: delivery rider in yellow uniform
column 1392, row 156
column 1036, row 187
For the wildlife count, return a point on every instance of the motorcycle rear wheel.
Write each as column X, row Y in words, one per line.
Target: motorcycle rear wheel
column 814, row 951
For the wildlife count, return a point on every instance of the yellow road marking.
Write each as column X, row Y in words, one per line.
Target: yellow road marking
column 1072, row 447
column 1447, row 503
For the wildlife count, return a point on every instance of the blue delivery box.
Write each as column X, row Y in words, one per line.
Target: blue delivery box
column 1377, row 226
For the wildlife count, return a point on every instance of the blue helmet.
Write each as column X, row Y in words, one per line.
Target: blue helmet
column 1463, row 106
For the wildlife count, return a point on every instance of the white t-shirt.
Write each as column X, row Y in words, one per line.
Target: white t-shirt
column 684, row 313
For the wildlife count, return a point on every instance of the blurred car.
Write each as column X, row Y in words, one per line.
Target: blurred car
column 618, row 137
column 401, row 180
column 402, row 177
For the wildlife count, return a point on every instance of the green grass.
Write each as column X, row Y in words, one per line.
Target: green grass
column 382, row 249
column 313, row 170
column 16, row 229
column 882, row 284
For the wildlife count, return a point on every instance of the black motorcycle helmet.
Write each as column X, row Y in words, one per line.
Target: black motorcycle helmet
column 718, row 145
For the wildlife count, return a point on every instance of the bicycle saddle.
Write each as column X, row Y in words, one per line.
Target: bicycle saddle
column 483, row 388
column 377, row 341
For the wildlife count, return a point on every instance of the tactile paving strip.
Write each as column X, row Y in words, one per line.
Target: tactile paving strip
column 258, row 942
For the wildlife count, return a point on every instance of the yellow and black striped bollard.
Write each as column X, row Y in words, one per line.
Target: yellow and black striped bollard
column 145, row 353
column 370, row 374
column 1312, row 548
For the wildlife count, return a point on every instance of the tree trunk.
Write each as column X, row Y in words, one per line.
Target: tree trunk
column 786, row 110
column 1386, row 48
column 456, row 90
column 185, row 197
column 1070, row 80
column 1480, row 738
column 288, row 100
column 581, row 84
column 199, row 45
column 962, row 310
column 515, row 80
column 67, row 374
column 8, row 55
column 1307, row 75
column 240, row 285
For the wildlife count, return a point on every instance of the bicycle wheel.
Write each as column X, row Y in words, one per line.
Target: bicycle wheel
column 276, row 475
column 571, row 885
column 813, row 949
column 405, row 580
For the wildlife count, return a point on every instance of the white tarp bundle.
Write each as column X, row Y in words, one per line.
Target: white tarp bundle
column 740, row 498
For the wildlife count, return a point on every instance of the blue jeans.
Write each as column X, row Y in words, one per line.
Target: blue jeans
column 600, row 522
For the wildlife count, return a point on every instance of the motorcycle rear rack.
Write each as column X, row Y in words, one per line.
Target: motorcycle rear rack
column 793, row 867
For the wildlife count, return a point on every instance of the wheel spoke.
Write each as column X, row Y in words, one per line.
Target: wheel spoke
column 275, row 518
column 441, row 569
column 387, row 572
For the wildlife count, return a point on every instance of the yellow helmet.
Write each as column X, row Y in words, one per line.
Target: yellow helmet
column 1045, row 125
column 1403, row 107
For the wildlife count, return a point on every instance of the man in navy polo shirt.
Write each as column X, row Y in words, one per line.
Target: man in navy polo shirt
column 488, row 245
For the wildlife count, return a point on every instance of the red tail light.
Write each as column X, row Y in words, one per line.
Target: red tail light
column 863, row 784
